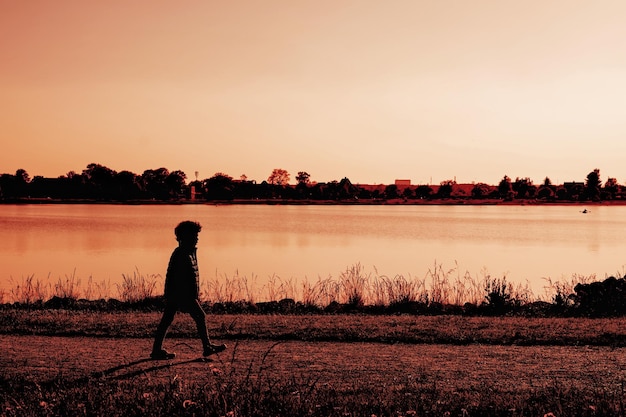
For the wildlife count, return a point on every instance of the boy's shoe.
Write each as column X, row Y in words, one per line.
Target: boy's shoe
column 213, row 349
column 161, row 355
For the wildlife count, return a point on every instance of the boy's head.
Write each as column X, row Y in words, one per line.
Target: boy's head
column 187, row 232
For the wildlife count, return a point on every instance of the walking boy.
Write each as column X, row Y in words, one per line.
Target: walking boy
column 182, row 290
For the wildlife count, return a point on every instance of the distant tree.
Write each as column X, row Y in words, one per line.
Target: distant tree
column 458, row 192
column 245, row 189
column 99, row 180
column 611, row 187
column 593, row 184
column 7, row 186
column 21, row 176
column 593, row 179
column 445, row 188
column 563, row 193
column 21, row 181
column 264, row 190
column 545, row 192
column 423, row 191
column 302, row 186
column 481, row 190
column 42, row 187
column 77, row 184
column 364, row 194
column 547, row 182
column 279, row 176
column 335, row 190
column 219, row 187
column 175, row 182
column 155, row 183
column 523, row 187
column 391, row 191
column 128, row 185
column 505, row 188
column 408, row 193
column 347, row 190
column 611, row 183
column 303, row 178
column 98, row 174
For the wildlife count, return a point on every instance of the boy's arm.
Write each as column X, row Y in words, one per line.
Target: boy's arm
column 172, row 275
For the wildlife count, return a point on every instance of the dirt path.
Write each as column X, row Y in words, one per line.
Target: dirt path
column 342, row 365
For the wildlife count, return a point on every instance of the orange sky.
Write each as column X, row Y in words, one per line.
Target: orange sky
column 366, row 89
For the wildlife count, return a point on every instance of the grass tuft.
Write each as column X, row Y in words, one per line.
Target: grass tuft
column 138, row 287
column 68, row 288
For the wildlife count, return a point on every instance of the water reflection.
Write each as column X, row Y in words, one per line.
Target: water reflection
column 106, row 241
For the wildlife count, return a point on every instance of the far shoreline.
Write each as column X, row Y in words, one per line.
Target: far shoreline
column 368, row 202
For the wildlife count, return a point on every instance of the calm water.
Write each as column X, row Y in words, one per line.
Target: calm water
column 525, row 243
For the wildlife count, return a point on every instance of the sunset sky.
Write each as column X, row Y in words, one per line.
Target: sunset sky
column 366, row 89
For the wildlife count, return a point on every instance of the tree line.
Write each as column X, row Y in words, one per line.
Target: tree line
column 100, row 183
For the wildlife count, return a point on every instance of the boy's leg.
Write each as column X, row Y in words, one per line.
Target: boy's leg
column 166, row 321
column 199, row 316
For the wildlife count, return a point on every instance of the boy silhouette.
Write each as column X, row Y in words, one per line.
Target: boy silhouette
column 182, row 290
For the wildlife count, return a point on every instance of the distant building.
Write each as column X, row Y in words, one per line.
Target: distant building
column 573, row 185
column 193, row 193
column 403, row 183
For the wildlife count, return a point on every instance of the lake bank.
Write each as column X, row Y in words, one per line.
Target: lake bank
column 396, row 201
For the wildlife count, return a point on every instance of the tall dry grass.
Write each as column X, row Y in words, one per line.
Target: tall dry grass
column 227, row 289
column 137, row 287
column 357, row 286
column 29, row 290
column 353, row 286
column 132, row 288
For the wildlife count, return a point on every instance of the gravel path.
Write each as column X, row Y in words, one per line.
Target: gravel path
column 341, row 365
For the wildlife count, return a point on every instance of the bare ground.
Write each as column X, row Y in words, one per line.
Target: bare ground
column 342, row 365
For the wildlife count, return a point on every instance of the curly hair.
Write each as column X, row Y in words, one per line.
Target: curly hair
column 187, row 228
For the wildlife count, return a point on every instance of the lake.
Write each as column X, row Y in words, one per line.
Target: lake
column 296, row 243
